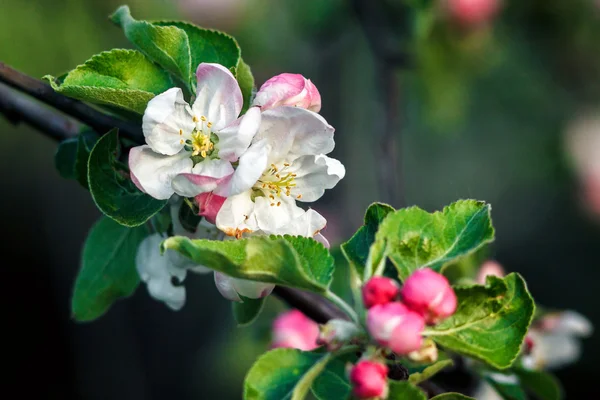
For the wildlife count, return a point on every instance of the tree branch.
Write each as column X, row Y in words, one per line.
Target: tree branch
column 96, row 120
column 312, row 305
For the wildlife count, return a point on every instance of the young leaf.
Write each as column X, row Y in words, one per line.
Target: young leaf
column 168, row 46
column 248, row 310
column 404, row 390
column 283, row 374
column 356, row 250
column 429, row 372
column 413, row 238
column 289, row 260
column 490, row 322
column 120, row 78
column 72, row 156
column 246, row 81
column 108, row 270
column 332, row 383
column 111, row 188
column 452, row 396
column 542, row 384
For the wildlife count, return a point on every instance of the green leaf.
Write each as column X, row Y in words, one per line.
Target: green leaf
column 248, row 310
column 108, row 270
column 288, row 261
column 120, row 78
column 544, row 385
column 207, row 45
column 246, row 81
column 65, row 156
column 429, row 372
column 490, row 322
column 72, row 156
column 452, row 396
column 283, row 374
column 168, row 46
column 506, row 385
column 332, row 383
column 356, row 250
column 111, row 188
column 404, row 390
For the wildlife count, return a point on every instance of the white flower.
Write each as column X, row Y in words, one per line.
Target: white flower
column 190, row 149
column 556, row 340
column 164, row 273
column 285, row 163
column 307, row 223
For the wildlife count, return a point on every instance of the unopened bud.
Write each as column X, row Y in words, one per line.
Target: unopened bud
column 369, row 380
column 429, row 294
column 288, row 90
column 293, row 329
column 395, row 326
column 379, row 290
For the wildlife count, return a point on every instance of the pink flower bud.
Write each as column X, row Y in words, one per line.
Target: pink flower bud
column 379, row 290
column 209, row 204
column 429, row 294
column 395, row 326
column 473, row 12
column 489, row 267
column 369, row 380
column 288, row 90
column 293, row 329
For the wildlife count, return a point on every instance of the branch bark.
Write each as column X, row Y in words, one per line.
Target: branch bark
column 95, row 119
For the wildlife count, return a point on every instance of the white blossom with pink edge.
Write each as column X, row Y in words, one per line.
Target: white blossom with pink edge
column 190, row 149
column 305, row 223
column 292, row 329
column 288, row 90
column 285, row 163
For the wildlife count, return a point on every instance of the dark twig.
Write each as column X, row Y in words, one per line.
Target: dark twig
column 312, row 305
column 96, row 120
column 388, row 57
column 19, row 108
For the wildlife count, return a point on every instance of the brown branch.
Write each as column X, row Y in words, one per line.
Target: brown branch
column 18, row 108
column 312, row 305
column 95, row 119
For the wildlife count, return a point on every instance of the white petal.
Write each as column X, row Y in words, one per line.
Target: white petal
column 206, row 176
column 296, row 131
column 322, row 239
column 307, row 224
column 552, row 351
column 250, row 167
column 314, row 174
column 167, row 122
column 157, row 272
column 154, row 172
column 218, row 95
column 224, row 285
column 235, row 139
column 573, row 323
column 271, row 218
column 237, row 214
column 252, row 289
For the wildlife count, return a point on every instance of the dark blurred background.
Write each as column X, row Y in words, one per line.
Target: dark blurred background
column 503, row 109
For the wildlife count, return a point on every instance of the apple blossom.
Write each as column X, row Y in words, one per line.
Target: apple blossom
column 295, row 330
column 395, row 326
column 288, row 90
column 285, row 163
column 189, row 150
column 379, row 290
column 369, row 380
column 430, row 294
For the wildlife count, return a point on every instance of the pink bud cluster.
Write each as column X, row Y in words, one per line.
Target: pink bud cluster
column 427, row 298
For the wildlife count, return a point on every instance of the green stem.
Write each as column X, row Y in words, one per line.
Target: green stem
column 338, row 301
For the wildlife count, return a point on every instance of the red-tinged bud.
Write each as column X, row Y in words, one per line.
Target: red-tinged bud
column 288, row 90
column 395, row 326
column 429, row 294
column 293, row 329
column 369, row 380
column 473, row 12
column 489, row 267
column 379, row 290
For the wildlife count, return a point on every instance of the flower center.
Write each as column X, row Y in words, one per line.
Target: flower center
column 202, row 143
column 275, row 182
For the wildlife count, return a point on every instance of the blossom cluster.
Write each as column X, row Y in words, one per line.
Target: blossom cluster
column 245, row 173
